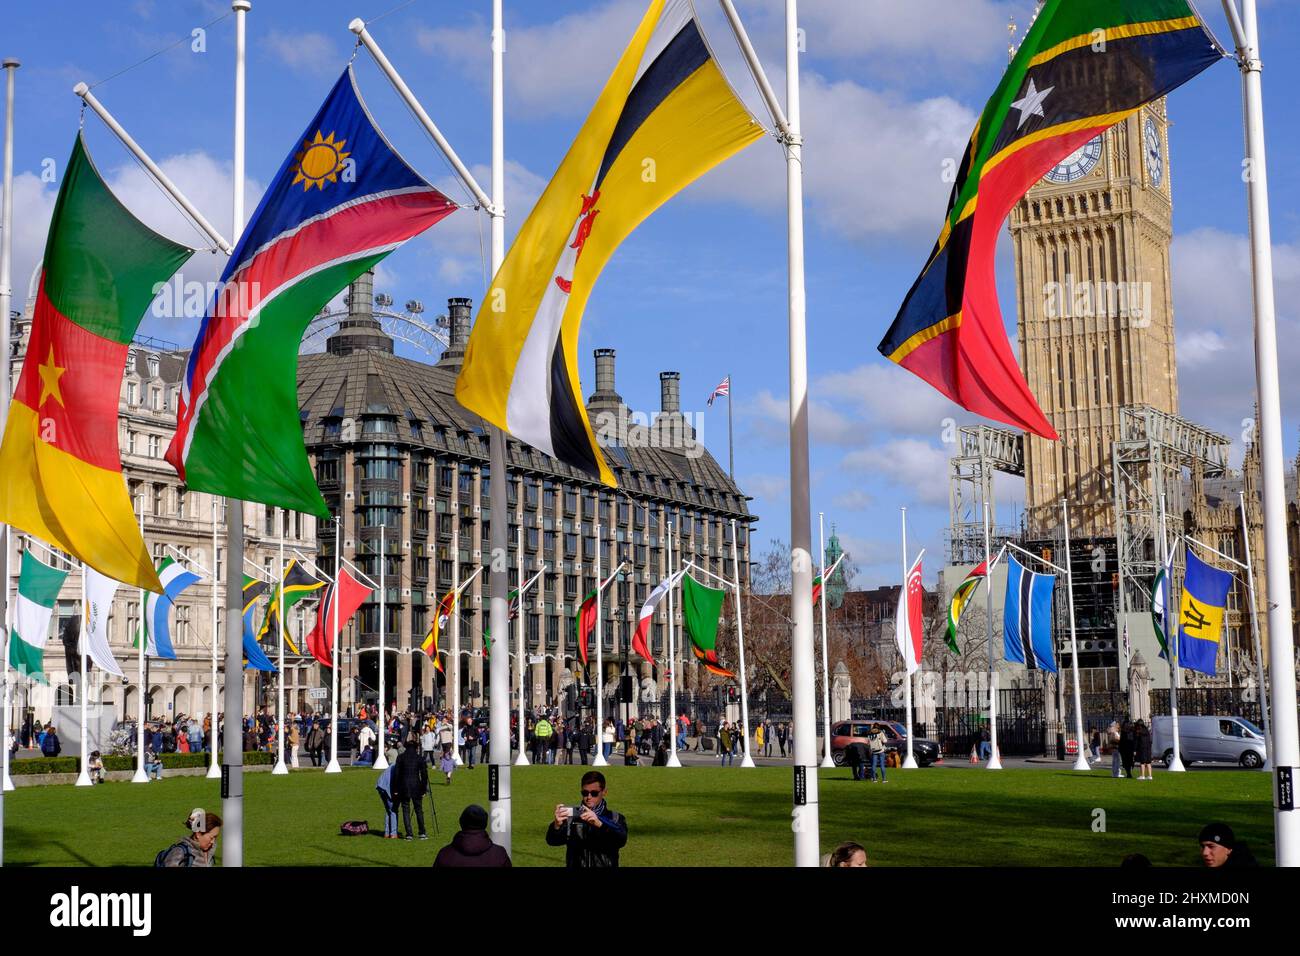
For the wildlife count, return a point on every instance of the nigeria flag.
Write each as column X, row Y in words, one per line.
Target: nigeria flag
column 38, row 590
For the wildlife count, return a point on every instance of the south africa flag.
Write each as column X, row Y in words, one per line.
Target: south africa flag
column 1085, row 65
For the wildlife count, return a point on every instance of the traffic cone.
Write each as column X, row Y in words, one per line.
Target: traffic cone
column 974, row 757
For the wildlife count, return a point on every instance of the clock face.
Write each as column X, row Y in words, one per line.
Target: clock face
column 1154, row 152
column 1078, row 164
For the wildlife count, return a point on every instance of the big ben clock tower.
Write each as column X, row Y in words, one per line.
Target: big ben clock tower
column 1095, row 319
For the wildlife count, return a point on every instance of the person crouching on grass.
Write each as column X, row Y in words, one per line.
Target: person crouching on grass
column 591, row 834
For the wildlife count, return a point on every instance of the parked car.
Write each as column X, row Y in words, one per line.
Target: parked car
column 1220, row 738
column 846, row 732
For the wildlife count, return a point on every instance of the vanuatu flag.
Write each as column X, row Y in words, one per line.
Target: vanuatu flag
column 341, row 202
column 961, row 596
column 701, row 611
column 298, row 583
column 1084, row 66
column 60, row 470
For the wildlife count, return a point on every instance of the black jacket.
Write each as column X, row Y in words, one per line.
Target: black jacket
column 472, row 848
column 410, row 775
column 587, row 845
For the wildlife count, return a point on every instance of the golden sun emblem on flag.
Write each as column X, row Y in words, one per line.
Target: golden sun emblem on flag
column 319, row 162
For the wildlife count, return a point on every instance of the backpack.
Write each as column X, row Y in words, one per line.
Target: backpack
column 355, row 828
column 185, row 847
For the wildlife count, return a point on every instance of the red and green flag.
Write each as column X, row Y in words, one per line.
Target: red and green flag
column 817, row 581
column 1083, row 67
column 961, row 596
column 60, row 469
column 701, row 611
column 584, row 622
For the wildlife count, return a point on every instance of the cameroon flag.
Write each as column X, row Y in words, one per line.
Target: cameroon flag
column 60, row 470
column 1084, row 66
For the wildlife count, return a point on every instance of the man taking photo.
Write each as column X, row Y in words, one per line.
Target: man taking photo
column 591, row 833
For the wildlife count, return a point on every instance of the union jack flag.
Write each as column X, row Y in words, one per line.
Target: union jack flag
column 723, row 389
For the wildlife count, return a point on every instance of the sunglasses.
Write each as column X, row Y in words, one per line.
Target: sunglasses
column 591, row 793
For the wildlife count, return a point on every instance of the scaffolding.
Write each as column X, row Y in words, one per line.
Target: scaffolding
column 982, row 451
column 1153, row 457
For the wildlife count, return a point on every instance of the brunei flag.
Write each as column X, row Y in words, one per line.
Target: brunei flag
column 665, row 117
column 1085, row 65
column 60, row 470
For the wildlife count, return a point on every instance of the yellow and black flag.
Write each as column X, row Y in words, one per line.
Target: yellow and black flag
column 666, row 116
column 298, row 583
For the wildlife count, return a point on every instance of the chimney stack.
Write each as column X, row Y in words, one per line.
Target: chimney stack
column 670, row 401
column 360, row 331
column 459, row 315
column 604, row 371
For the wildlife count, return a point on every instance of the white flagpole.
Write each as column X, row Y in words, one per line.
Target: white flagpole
column 1171, row 642
column 83, row 641
column 1286, row 747
column 8, row 691
column 140, row 776
column 995, row 759
column 381, row 758
column 673, row 760
column 904, row 644
column 454, row 623
column 214, row 769
column 599, row 760
column 333, row 766
column 280, row 768
column 232, row 768
column 6, row 255
column 1254, row 629
column 748, row 760
column 1080, row 761
column 521, row 760
column 826, row 671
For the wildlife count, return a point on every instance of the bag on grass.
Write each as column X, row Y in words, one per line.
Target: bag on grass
column 355, row 828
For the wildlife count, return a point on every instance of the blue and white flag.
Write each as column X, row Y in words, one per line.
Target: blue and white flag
column 157, row 609
column 1027, row 617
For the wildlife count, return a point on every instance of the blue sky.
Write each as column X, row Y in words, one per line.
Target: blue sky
column 890, row 90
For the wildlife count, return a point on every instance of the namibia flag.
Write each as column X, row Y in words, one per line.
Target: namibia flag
column 1085, row 65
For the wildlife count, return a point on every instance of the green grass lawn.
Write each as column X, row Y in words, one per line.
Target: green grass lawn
column 695, row 816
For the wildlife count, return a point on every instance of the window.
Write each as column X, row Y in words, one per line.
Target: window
column 378, row 425
column 570, row 545
column 131, row 393
column 180, row 502
column 130, row 442
column 382, row 468
column 155, row 399
column 327, row 469
column 153, row 446
column 570, row 586
column 158, row 492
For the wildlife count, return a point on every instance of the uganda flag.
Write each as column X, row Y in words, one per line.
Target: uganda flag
column 1084, row 66
column 665, row 117
column 60, row 469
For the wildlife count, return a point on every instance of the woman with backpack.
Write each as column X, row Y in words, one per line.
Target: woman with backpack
column 197, row 849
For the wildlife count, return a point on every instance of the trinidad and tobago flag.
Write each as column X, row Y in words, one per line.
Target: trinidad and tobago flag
column 1085, row 65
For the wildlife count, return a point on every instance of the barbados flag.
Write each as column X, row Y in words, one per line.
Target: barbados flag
column 1085, row 65
column 1027, row 617
column 1200, row 615
column 665, row 117
column 341, row 202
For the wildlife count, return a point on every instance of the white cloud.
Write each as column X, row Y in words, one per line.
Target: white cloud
column 909, row 463
column 313, row 54
column 855, row 500
column 890, row 399
column 769, row 416
column 771, row 488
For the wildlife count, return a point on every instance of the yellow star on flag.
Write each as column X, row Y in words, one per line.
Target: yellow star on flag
column 50, row 375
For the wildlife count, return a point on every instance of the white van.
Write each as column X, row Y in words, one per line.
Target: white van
column 1205, row 739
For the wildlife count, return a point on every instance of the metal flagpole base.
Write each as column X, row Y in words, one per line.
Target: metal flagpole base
column 1081, row 763
column 600, row 760
column 139, row 777
column 381, row 760
column 333, row 766
column 995, row 761
column 673, row 761
column 747, row 760
column 279, row 770
column 1177, row 766
column 521, row 759
column 827, row 762
column 83, row 780
column 458, row 761
column 909, row 763
column 9, row 784
column 214, row 770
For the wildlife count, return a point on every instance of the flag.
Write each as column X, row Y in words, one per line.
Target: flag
column 515, row 605
column 1082, row 68
column 1027, row 617
column 1128, row 651
column 175, row 578
column 38, row 592
column 584, row 622
column 909, row 626
column 60, row 469
column 640, row 640
column 254, row 656
column 297, row 584
column 961, row 596
column 817, row 581
column 1200, row 615
column 98, row 605
column 665, row 117
column 440, row 620
column 701, row 611
column 1159, row 601
column 341, row 202
column 722, row 391
column 320, row 641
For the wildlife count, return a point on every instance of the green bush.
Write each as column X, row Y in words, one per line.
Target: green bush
column 172, row 761
column 32, row 765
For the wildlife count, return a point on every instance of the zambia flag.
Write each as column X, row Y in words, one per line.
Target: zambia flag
column 341, row 202
column 297, row 584
column 1200, row 615
column 1084, row 66
column 60, row 469
column 665, row 117
column 701, row 611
